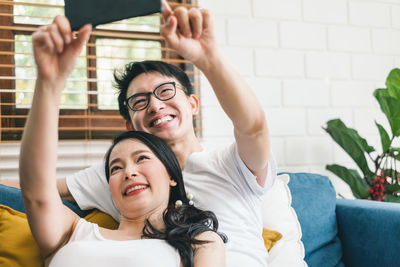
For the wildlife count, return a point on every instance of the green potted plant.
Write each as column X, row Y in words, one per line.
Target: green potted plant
column 382, row 182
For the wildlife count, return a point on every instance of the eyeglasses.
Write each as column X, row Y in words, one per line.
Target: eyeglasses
column 140, row 101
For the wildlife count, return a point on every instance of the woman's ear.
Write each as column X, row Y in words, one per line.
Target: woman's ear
column 172, row 183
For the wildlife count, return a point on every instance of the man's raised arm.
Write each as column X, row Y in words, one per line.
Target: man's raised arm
column 191, row 34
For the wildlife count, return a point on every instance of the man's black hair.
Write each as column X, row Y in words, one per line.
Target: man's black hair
column 134, row 69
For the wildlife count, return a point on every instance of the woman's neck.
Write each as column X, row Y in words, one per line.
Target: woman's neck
column 133, row 228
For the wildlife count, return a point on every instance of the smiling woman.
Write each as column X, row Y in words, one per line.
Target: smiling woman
column 146, row 182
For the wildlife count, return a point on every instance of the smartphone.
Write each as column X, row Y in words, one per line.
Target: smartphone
column 96, row 12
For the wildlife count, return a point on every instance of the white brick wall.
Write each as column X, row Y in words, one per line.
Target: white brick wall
column 314, row 60
column 308, row 61
column 347, row 38
column 302, row 35
column 369, row 13
column 283, row 63
column 279, row 9
column 328, row 65
column 326, row 11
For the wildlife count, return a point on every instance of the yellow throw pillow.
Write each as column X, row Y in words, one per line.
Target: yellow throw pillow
column 17, row 246
column 102, row 219
column 270, row 237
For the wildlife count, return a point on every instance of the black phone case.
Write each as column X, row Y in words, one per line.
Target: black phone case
column 95, row 12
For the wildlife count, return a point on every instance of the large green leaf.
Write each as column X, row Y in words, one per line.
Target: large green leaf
column 358, row 185
column 393, row 83
column 385, row 139
column 392, row 188
column 394, row 152
column 389, row 172
column 391, row 198
column 391, row 107
column 351, row 142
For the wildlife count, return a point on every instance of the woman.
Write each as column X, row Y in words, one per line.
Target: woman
column 159, row 224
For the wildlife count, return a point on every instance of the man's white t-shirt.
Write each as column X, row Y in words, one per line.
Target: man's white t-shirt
column 220, row 182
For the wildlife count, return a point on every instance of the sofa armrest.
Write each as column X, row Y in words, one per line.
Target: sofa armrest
column 369, row 231
column 12, row 197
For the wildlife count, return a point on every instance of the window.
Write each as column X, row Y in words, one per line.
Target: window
column 89, row 108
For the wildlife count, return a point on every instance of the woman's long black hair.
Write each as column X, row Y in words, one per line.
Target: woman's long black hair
column 184, row 223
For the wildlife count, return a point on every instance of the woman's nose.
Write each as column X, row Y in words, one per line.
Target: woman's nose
column 130, row 174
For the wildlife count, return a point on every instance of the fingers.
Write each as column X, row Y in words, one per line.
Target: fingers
column 57, row 36
column 54, row 37
column 166, row 9
column 207, row 19
column 196, row 22
column 64, row 28
column 191, row 23
column 182, row 16
column 83, row 35
column 41, row 39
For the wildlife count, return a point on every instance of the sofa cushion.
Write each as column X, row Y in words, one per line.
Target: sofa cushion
column 12, row 197
column 314, row 199
column 270, row 238
column 18, row 247
column 278, row 215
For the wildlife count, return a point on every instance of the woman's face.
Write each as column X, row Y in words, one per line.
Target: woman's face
column 139, row 182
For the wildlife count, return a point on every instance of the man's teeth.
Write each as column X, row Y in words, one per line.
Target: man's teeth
column 137, row 187
column 163, row 119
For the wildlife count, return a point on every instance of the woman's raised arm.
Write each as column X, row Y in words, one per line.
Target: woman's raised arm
column 55, row 52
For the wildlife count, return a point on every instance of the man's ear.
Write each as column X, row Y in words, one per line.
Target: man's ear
column 129, row 126
column 195, row 104
column 172, row 183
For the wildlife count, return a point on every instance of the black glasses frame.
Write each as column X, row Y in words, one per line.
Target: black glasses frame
column 127, row 101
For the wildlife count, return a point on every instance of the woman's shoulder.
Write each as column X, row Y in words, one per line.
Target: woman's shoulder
column 211, row 253
column 211, row 238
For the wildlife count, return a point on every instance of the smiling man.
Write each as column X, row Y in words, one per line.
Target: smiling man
column 157, row 98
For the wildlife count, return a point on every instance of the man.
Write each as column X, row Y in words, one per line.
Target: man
column 230, row 181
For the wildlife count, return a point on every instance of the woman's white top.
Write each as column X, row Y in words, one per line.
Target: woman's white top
column 87, row 247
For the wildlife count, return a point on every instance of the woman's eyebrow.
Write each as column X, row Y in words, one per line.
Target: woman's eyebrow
column 139, row 152
column 132, row 155
column 114, row 161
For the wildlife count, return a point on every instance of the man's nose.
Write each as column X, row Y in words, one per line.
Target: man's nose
column 155, row 104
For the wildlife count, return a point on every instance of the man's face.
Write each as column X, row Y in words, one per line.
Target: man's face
column 170, row 120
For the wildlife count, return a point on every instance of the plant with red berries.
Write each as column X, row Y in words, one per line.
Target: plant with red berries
column 383, row 182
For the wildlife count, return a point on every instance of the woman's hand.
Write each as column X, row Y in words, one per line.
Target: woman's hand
column 190, row 33
column 56, row 50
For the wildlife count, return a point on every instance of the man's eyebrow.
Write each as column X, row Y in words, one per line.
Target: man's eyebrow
column 144, row 88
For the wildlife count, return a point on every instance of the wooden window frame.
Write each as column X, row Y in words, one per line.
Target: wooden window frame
column 98, row 124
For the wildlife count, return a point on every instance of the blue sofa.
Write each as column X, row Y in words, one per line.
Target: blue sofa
column 336, row 232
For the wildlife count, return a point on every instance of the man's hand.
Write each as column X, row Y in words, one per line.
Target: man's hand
column 56, row 50
column 190, row 33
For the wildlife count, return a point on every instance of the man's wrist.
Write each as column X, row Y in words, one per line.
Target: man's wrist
column 209, row 63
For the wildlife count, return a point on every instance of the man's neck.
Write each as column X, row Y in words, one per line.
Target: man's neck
column 184, row 148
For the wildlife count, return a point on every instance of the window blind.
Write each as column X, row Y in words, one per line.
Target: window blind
column 89, row 110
